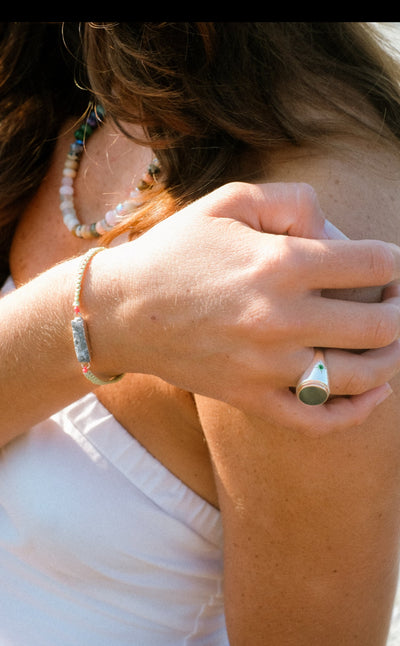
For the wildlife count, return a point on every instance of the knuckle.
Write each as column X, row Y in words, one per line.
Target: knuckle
column 306, row 194
column 381, row 263
column 385, row 329
column 355, row 383
column 284, row 260
column 237, row 199
column 307, row 203
column 235, row 192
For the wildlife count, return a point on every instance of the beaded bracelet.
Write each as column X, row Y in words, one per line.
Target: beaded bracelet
column 79, row 330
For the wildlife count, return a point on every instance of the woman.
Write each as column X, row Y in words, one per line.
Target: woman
column 112, row 506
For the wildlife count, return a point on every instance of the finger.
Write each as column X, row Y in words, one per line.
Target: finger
column 280, row 208
column 353, row 374
column 290, row 208
column 339, row 414
column 294, row 208
column 340, row 264
column 349, row 373
column 334, row 323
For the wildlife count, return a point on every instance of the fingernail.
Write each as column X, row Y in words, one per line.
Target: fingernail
column 333, row 232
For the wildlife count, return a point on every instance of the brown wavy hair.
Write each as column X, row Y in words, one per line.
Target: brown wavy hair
column 210, row 97
column 37, row 94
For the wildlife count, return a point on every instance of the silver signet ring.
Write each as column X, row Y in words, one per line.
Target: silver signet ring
column 313, row 386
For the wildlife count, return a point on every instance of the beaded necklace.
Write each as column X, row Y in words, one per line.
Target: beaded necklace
column 70, row 171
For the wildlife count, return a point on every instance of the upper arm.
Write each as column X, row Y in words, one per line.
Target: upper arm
column 311, row 527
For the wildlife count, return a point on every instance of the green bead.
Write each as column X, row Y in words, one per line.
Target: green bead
column 93, row 231
column 83, row 132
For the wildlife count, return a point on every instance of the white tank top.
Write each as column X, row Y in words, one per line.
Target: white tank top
column 101, row 545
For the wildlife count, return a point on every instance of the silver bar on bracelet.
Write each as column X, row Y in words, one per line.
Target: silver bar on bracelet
column 80, row 340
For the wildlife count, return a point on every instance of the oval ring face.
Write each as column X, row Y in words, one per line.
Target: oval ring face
column 313, row 393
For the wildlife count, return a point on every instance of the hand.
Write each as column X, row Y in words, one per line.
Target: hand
column 215, row 306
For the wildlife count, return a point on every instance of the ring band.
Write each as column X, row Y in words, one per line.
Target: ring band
column 313, row 387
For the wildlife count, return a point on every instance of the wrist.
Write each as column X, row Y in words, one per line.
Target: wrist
column 80, row 333
column 109, row 312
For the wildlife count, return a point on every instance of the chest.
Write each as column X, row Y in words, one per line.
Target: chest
column 90, row 526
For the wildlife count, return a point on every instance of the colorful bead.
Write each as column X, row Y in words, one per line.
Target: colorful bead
column 66, row 190
column 111, row 219
column 100, row 228
column 71, row 163
column 71, row 222
column 70, row 170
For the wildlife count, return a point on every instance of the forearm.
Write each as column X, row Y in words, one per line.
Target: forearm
column 311, row 529
column 39, row 372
